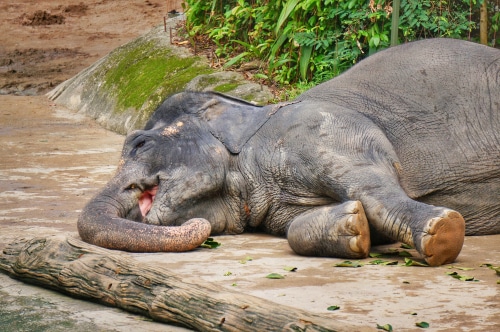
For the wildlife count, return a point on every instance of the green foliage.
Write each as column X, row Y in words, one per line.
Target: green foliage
column 314, row 40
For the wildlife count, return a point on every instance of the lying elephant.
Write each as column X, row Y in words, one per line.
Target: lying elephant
column 392, row 148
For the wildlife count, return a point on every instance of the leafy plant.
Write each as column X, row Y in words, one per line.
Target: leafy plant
column 315, row 40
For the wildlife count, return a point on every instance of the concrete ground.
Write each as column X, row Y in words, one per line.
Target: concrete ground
column 53, row 160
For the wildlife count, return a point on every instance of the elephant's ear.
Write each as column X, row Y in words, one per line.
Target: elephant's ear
column 233, row 121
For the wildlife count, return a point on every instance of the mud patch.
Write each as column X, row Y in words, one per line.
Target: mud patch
column 41, row 17
column 37, row 55
column 21, row 69
column 76, row 10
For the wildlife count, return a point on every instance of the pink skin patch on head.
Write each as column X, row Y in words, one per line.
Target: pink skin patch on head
column 146, row 200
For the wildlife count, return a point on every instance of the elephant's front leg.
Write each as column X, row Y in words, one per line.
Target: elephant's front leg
column 334, row 231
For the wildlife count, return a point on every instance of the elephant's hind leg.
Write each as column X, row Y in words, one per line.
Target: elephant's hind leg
column 334, row 231
column 442, row 238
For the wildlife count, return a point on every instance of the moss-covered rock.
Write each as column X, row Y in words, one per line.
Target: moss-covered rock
column 122, row 89
column 234, row 84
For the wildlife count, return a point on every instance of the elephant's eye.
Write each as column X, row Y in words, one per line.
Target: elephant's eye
column 140, row 144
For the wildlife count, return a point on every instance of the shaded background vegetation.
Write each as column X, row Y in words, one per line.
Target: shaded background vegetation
column 307, row 42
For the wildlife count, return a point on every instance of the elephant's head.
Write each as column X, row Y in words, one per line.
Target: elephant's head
column 179, row 170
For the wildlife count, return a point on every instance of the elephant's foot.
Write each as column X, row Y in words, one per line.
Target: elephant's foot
column 442, row 238
column 356, row 229
column 333, row 231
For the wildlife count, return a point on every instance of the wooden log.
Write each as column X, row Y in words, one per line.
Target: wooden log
column 116, row 279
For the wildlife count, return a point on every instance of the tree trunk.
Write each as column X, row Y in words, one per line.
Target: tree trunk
column 483, row 23
column 113, row 278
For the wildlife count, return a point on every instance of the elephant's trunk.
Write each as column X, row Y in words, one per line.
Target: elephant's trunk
column 102, row 223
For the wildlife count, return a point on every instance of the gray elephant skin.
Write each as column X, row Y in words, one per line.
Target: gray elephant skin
column 404, row 146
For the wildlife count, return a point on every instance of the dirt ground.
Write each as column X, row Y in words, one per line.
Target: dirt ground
column 46, row 42
column 53, row 160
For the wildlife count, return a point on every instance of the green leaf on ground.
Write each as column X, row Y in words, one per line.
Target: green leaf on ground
column 246, row 259
column 382, row 262
column 228, row 273
column 491, row 266
column 411, row 262
column 349, row 264
column 404, row 253
column 391, row 253
column 461, row 268
column 423, row 325
column 386, row 327
column 275, row 276
column 210, row 244
column 290, row 268
column 406, row 246
column 333, row 308
column 461, row 277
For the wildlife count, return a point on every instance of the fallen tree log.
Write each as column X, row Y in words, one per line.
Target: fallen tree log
column 116, row 279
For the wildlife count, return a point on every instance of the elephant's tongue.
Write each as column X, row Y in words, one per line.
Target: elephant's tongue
column 146, row 200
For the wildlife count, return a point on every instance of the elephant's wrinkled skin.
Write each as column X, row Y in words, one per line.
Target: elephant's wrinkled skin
column 402, row 145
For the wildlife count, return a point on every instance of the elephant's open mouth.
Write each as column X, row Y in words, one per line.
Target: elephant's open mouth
column 146, row 200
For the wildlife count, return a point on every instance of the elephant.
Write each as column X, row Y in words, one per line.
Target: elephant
column 404, row 146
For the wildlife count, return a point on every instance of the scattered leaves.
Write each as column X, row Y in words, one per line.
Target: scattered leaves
column 461, row 277
column 461, row 268
column 494, row 268
column 406, row 246
column 246, row 259
column 386, row 327
column 275, row 276
column 349, row 264
column 423, row 325
column 411, row 262
column 383, row 262
column 228, row 273
column 333, row 308
column 391, row 253
column 404, row 253
column 210, row 244
column 290, row 268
